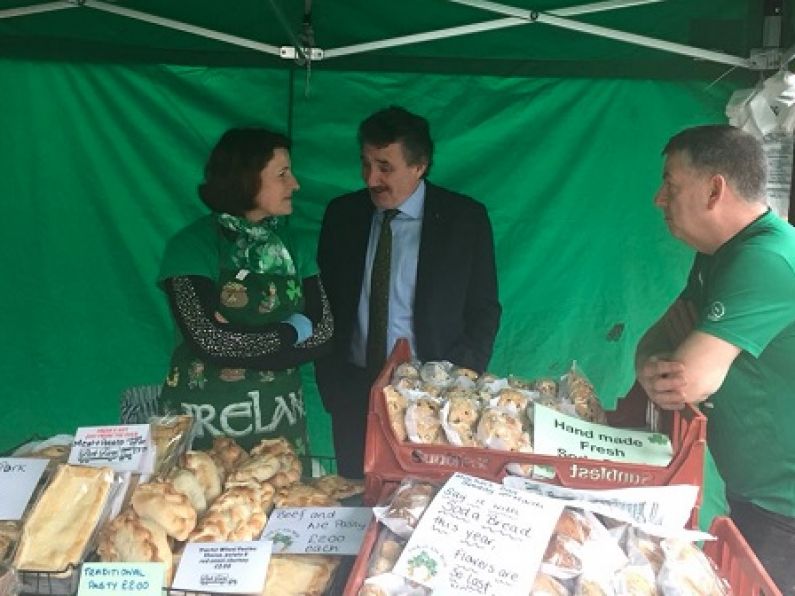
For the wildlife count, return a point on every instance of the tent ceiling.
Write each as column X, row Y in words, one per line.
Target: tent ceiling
column 728, row 26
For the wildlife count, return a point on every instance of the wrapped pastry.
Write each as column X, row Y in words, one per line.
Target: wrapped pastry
column 546, row 387
column 520, row 383
column 407, row 370
column 386, row 551
column 459, row 416
column 406, row 506
column 129, row 538
column 338, row 487
column 161, row 503
column 513, row 400
column 437, row 373
column 60, row 526
column 581, row 393
column 299, row 575
column 171, row 436
column 423, row 423
column 209, row 475
column 687, row 570
column 500, row 429
column 396, row 404
column 408, row 383
column 546, row 585
column 637, row 580
column 389, row 584
column 468, row 373
column 9, row 533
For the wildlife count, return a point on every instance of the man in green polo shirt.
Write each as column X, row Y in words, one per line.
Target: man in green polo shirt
column 739, row 358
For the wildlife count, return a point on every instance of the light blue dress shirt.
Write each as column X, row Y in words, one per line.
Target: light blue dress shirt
column 406, row 229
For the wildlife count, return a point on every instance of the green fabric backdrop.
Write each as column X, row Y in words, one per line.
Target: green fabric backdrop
column 100, row 164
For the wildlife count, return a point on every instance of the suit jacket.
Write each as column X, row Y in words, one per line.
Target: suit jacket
column 456, row 307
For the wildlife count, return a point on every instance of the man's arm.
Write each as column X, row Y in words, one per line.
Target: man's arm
column 690, row 372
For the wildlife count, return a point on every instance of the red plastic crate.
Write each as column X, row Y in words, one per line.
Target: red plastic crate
column 388, row 460
column 736, row 561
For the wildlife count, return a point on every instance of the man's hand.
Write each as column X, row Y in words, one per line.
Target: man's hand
column 664, row 381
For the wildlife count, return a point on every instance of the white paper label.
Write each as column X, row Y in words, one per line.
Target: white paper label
column 558, row 434
column 323, row 530
column 124, row 448
column 478, row 537
column 226, row 567
column 111, row 579
column 18, row 479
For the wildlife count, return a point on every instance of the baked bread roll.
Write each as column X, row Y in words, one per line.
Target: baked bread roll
column 60, row 525
column 163, row 504
column 289, row 472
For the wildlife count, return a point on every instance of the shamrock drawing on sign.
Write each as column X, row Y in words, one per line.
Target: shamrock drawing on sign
column 658, row 439
column 422, row 567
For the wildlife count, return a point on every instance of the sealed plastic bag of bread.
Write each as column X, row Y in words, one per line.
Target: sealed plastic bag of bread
column 687, row 570
column 9, row 534
column 578, row 389
column 389, row 584
column 396, row 404
column 501, row 429
column 171, row 436
column 387, row 549
column 62, row 524
column 299, row 575
column 403, row 510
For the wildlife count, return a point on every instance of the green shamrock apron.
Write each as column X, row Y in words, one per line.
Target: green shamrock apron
column 258, row 286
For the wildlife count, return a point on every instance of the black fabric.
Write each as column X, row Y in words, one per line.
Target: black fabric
column 349, row 424
column 772, row 537
column 378, row 317
column 194, row 302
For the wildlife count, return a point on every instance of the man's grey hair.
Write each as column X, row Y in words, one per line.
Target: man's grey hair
column 726, row 150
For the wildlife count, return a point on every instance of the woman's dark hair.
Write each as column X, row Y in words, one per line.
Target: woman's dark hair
column 232, row 173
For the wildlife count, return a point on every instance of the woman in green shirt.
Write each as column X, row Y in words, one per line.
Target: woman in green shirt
column 248, row 303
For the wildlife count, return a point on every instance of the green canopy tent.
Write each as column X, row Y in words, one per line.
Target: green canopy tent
column 551, row 114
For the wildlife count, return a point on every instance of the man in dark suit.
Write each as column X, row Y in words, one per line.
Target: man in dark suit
column 442, row 282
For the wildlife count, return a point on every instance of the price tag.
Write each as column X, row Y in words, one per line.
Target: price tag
column 112, row 579
column 18, row 479
column 225, row 567
column 478, row 537
column 124, row 448
column 558, row 434
column 326, row 530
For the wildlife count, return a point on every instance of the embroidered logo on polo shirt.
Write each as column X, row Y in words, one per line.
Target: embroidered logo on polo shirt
column 716, row 311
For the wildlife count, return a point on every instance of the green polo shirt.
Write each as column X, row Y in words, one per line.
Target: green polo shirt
column 745, row 295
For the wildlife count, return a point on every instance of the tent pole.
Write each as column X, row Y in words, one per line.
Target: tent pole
column 180, row 26
column 520, row 18
column 632, row 38
column 421, row 37
column 22, row 11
